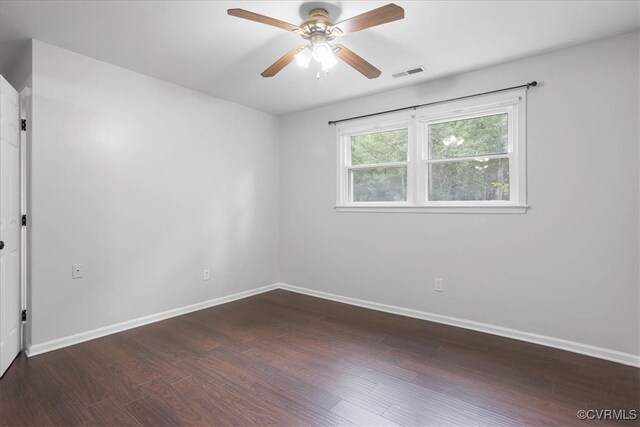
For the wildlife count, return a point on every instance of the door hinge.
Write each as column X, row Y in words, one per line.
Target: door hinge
column 24, row 315
column 24, row 124
column 24, row 220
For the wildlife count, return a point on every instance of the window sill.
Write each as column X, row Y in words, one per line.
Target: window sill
column 498, row 209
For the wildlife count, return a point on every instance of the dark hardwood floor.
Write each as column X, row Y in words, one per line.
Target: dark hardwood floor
column 289, row 359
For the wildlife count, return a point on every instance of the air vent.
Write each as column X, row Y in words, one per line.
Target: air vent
column 409, row 72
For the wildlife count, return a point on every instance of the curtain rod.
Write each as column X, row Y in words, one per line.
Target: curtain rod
column 413, row 107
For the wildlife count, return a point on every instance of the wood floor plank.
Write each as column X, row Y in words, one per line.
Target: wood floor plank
column 218, row 411
column 174, row 405
column 360, row 416
column 112, row 378
column 155, row 361
column 110, row 413
column 244, row 405
column 307, row 409
column 281, row 358
column 149, row 412
column 276, row 378
column 522, row 402
column 26, row 411
column 316, row 381
column 78, row 380
column 19, row 402
column 411, row 397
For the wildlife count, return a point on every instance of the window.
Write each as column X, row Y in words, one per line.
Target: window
column 467, row 156
column 378, row 169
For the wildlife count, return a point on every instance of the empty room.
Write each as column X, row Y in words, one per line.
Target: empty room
column 338, row 213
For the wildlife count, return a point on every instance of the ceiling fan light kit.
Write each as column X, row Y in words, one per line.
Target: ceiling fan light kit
column 318, row 30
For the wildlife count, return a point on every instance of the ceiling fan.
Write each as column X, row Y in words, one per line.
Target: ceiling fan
column 319, row 30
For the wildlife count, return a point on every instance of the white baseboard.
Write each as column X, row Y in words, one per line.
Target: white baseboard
column 575, row 347
column 130, row 324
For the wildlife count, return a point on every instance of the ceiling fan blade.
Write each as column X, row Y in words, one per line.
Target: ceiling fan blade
column 282, row 62
column 368, row 70
column 379, row 16
column 252, row 16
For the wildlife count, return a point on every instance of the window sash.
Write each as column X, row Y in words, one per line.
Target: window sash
column 378, row 165
column 377, row 129
column 467, row 159
column 423, row 124
column 454, row 118
column 345, row 185
column 510, row 130
column 386, row 166
column 374, row 131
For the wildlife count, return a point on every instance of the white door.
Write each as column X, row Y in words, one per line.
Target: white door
column 10, row 316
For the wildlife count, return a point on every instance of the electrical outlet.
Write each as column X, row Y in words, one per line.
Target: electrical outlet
column 439, row 285
column 76, row 271
column 206, row 275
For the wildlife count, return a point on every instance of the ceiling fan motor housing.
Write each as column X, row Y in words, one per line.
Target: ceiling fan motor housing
column 318, row 18
column 318, row 28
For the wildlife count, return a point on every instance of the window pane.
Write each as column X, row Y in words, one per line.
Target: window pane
column 480, row 179
column 380, row 147
column 469, row 137
column 379, row 184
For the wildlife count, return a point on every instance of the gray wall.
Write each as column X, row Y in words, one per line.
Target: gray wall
column 146, row 184
column 567, row 269
column 19, row 75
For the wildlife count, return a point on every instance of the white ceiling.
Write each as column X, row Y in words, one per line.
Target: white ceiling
column 197, row 45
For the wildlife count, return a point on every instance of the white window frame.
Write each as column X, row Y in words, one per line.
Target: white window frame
column 389, row 123
column 513, row 103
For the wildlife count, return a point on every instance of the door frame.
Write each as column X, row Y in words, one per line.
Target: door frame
column 25, row 137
